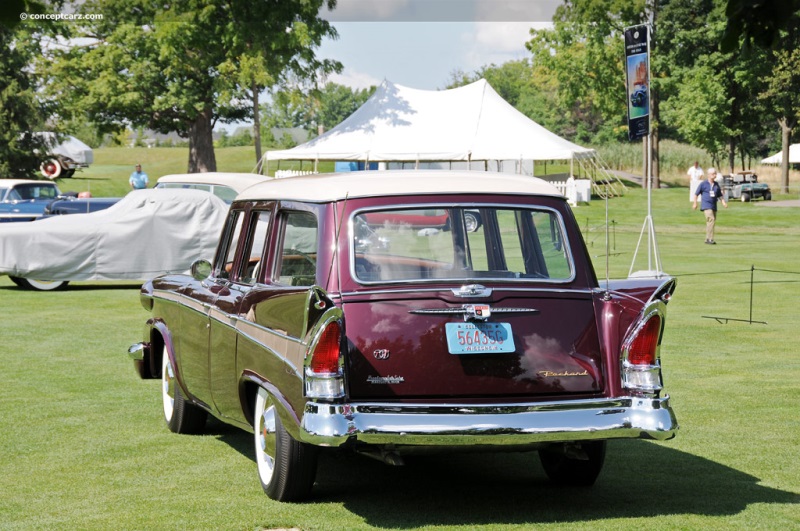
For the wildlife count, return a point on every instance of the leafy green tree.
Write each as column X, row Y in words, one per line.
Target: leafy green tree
column 185, row 65
column 583, row 55
column 21, row 111
column 783, row 85
column 712, row 95
column 312, row 108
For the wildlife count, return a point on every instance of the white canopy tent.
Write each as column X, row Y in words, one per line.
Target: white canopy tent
column 469, row 123
column 777, row 158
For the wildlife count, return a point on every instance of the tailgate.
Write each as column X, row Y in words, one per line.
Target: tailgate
column 540, row 344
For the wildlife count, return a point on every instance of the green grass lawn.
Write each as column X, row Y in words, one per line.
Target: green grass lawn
column 83, row 444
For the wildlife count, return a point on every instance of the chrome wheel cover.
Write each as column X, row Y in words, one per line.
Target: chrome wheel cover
column 265, row 437
column 167, row 386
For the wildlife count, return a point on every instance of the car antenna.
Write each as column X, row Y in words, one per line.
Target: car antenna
column 336, row 244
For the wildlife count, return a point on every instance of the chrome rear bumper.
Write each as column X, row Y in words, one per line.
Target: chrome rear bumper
column 487, row 424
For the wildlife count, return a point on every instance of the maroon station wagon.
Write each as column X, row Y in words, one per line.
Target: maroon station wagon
column 333, row 316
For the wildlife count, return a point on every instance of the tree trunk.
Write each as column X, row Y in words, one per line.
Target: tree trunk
column 644, row 162
column 731, row 153
column 256, row 127
column 786, row 133
column 201, row 144
column 654, row 160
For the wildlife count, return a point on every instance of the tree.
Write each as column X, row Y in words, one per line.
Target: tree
column 312, row 108
column 272, row 45
column 758, row 22
column 711, row 95
column 182, row 66
column 21, row 111
column 584, row 54
column 783, row 86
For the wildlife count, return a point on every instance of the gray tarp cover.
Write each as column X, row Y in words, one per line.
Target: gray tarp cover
column 146, row 234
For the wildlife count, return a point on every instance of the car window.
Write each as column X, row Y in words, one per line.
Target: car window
column 510, row 243
column 298, row 258
column 257, row 236
column 227, row 251
column 226, row 193
column 34, row 191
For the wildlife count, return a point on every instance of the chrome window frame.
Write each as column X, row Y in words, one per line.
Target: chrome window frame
column 464, row 206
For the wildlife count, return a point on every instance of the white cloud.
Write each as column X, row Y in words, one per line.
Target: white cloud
column 354, row 79
column 497, row 42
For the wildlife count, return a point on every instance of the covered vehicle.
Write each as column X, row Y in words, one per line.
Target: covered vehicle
column 316, row 326
column 64, row 156
column 223, row 185
column 25, row 199
column 146, row 234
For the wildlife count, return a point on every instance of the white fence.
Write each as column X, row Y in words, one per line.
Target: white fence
column 280, row 174
column 583, row 190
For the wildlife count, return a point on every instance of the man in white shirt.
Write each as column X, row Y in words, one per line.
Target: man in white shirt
column 695, row 174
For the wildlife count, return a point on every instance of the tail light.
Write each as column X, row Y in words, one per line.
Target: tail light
column 324, row 377
column 641, row 363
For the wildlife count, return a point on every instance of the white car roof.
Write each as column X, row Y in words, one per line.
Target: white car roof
column 335, row 186
column 237, row 181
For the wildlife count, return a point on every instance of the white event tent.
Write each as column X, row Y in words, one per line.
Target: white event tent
column 777, row 158
column 469, row 123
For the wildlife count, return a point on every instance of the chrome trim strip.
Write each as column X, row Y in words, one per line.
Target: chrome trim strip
column 588, row 291
column 402, row 424
column 463, row 311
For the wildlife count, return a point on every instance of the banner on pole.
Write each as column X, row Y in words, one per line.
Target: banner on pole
column 637, row 70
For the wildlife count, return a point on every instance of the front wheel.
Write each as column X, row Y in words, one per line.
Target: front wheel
column 768, row 196
column 286, row 467
column 39, row 285
column 181, row 416
column 574, row 465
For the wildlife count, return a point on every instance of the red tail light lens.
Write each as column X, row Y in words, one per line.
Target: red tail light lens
column 642, row 350
column 325, row 359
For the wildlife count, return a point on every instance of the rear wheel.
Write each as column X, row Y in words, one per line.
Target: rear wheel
column 286, row 467
column 39, row 285
column 52, row 168
column 745, row 197
column 181, row 416
column 574, row 465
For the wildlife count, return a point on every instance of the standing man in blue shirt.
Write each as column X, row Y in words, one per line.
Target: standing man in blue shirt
column 138, row 179
column 709, row 193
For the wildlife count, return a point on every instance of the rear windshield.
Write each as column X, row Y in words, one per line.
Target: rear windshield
column 460, row 243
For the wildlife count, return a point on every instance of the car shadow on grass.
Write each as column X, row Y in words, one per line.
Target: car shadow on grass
column 640, row 479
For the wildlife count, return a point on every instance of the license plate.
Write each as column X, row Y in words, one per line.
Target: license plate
column 479, row 338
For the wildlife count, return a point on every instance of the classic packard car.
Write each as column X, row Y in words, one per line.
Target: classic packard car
column 314, row 326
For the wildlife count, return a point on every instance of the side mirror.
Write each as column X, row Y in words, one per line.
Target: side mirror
column 201, row 269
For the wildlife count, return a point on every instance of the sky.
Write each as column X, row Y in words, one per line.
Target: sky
column 420, row 43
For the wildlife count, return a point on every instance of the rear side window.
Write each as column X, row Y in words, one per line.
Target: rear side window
column 448, row 243
column 297, row 261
